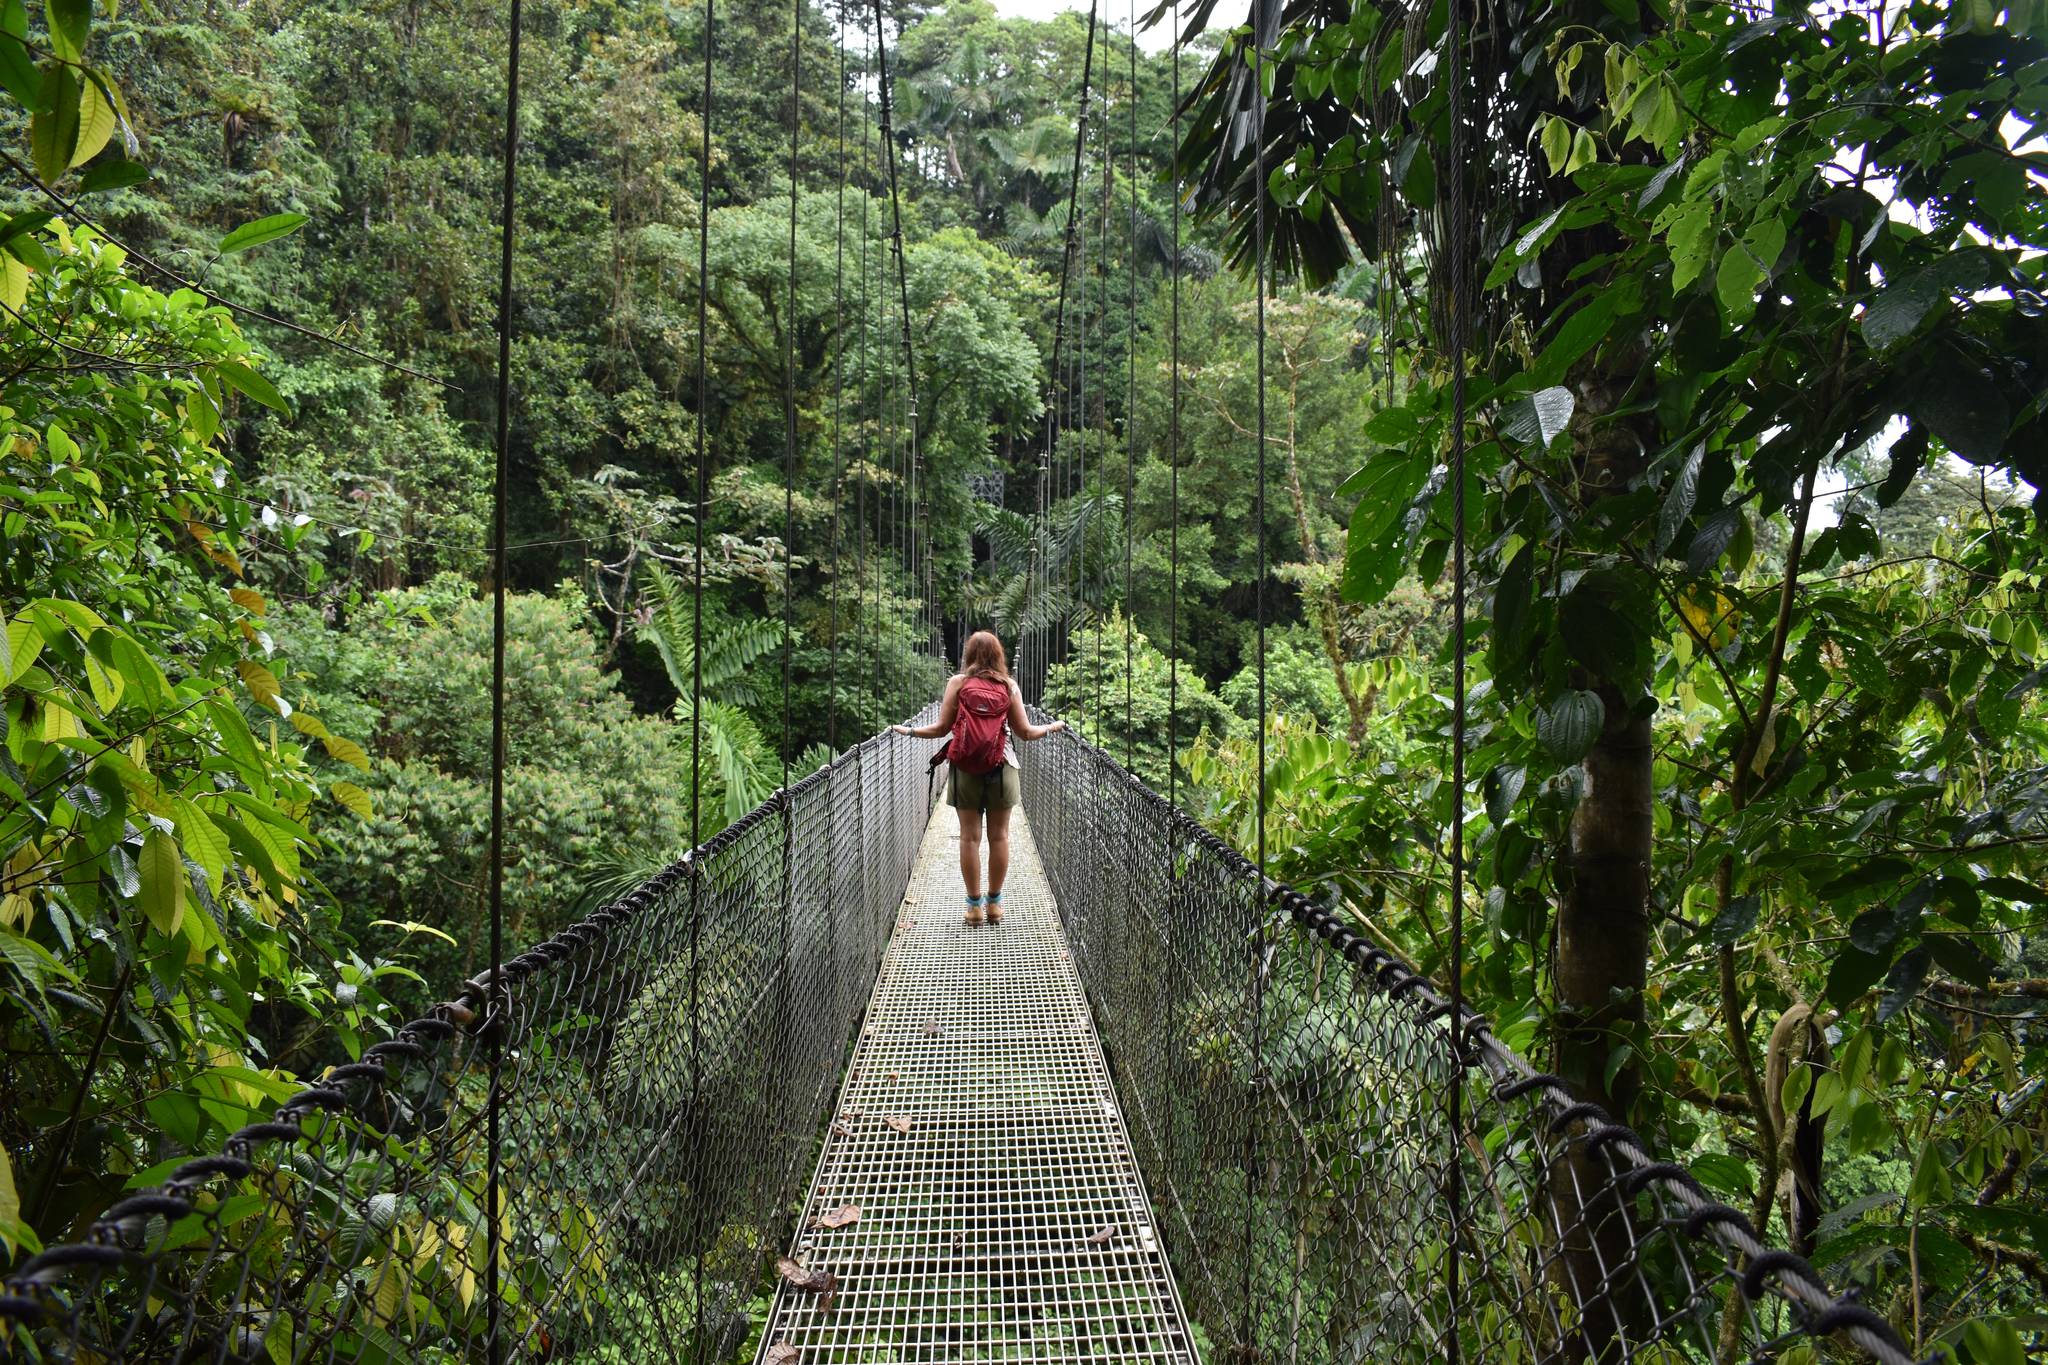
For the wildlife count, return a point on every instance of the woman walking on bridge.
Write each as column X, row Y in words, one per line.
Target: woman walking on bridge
column 982, row 709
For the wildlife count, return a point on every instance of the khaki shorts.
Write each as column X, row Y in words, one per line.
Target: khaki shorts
column 998, row 790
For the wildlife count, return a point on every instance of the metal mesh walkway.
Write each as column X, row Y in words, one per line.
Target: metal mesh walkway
column 1001, row 1214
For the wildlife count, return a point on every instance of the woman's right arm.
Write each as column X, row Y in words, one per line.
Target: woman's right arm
column 948, row 705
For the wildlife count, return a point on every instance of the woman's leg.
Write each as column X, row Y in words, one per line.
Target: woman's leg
column 970, row 848
column 998, row 848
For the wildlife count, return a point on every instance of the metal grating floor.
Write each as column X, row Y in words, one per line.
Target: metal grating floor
column 981, row 1234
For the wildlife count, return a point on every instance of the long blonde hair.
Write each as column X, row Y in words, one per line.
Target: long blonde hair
column 983, row 657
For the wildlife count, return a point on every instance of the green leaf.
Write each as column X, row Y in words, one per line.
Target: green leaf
column 1735, row 920
column 1903, row 982
column 240, row 376
column 1557, row 144
column 1374, row 549
column 113, row 173
column 1853, row 974
column 1964, row 410
column 262, row 230
column 1580, row 333
column 202, row 839
column 1691, row 238
column 1570, row 725
column 23, row 641
column 53, row 131
column 18, row 72
column 70, row 26
column 163, row 881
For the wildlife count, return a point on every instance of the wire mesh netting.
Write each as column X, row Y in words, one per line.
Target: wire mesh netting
column 665, row 1068
column 1288, row 1088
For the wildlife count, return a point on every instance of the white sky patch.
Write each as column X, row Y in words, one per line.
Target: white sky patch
column 1118, row 14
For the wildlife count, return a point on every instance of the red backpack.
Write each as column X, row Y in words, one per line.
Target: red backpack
column 979, row 725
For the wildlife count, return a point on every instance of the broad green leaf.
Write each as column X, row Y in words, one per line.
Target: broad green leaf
column 70, row 24
column 262, row 230
column 106, row 684
column 53, row 131
column 1557, row 144
column 1570, row 725
column 114, row 173
column 240, row 376
column 163, row 882
column 141, row 671
column 18, row 74
column 202, row 839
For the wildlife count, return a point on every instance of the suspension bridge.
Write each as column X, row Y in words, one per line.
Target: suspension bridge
column 778, row 1103
column 1166, row 1111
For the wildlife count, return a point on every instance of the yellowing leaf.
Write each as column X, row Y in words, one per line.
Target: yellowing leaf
column 23, row 643
column 13, row 283
column 249, row 600
column 16, row 911
column 107, row 685
column 261, row 682
column 346, row 751
column 306, row 723
column 354, row 797
column 59, row 723
column 163, row 881
column 95, row 123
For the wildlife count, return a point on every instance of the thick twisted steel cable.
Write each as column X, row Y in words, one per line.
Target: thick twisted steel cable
column 508, row 210
column 1461, row 322
column 702, row 509
column 796, row 109
column 838, row 400
column 1259, row 38
column 1131, row 387
column 1173, row 458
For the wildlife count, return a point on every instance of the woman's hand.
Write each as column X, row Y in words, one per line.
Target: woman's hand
column 904, row 730
column 1055, row 725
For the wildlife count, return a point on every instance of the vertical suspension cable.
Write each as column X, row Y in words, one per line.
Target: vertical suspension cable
column 902, row 280
column 495, row 1002
column 1173, row 455
column 1460, row 318
column 796, row 89
column 838, row 399
column 1131, row 385
column 1259, row 191
column 1068, row 252
column 702, row 507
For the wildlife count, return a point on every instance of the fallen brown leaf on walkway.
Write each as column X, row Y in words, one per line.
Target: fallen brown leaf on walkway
column 809, row 1279
column 1102, row 1238
column 934, row 1029
column 899, row 1122
column 781, row 1353
column 846, row 1215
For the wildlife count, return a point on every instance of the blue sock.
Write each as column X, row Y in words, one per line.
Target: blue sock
column 994, row 896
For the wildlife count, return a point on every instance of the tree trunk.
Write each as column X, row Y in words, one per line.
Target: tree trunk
column 1603, row 931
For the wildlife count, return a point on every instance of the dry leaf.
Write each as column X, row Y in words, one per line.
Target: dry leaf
column 933, row 1029
column 843, row 1127
column 1102, row 1238
column 844, row 1216
column 809, row 1279
column 781, row 1353
column 895, row 1075
column 899, row 1122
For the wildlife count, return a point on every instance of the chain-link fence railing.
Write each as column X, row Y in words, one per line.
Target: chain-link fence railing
column 664, row 1070
column 1288, row 1088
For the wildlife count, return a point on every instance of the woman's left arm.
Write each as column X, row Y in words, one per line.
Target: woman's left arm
column 1020, row 723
